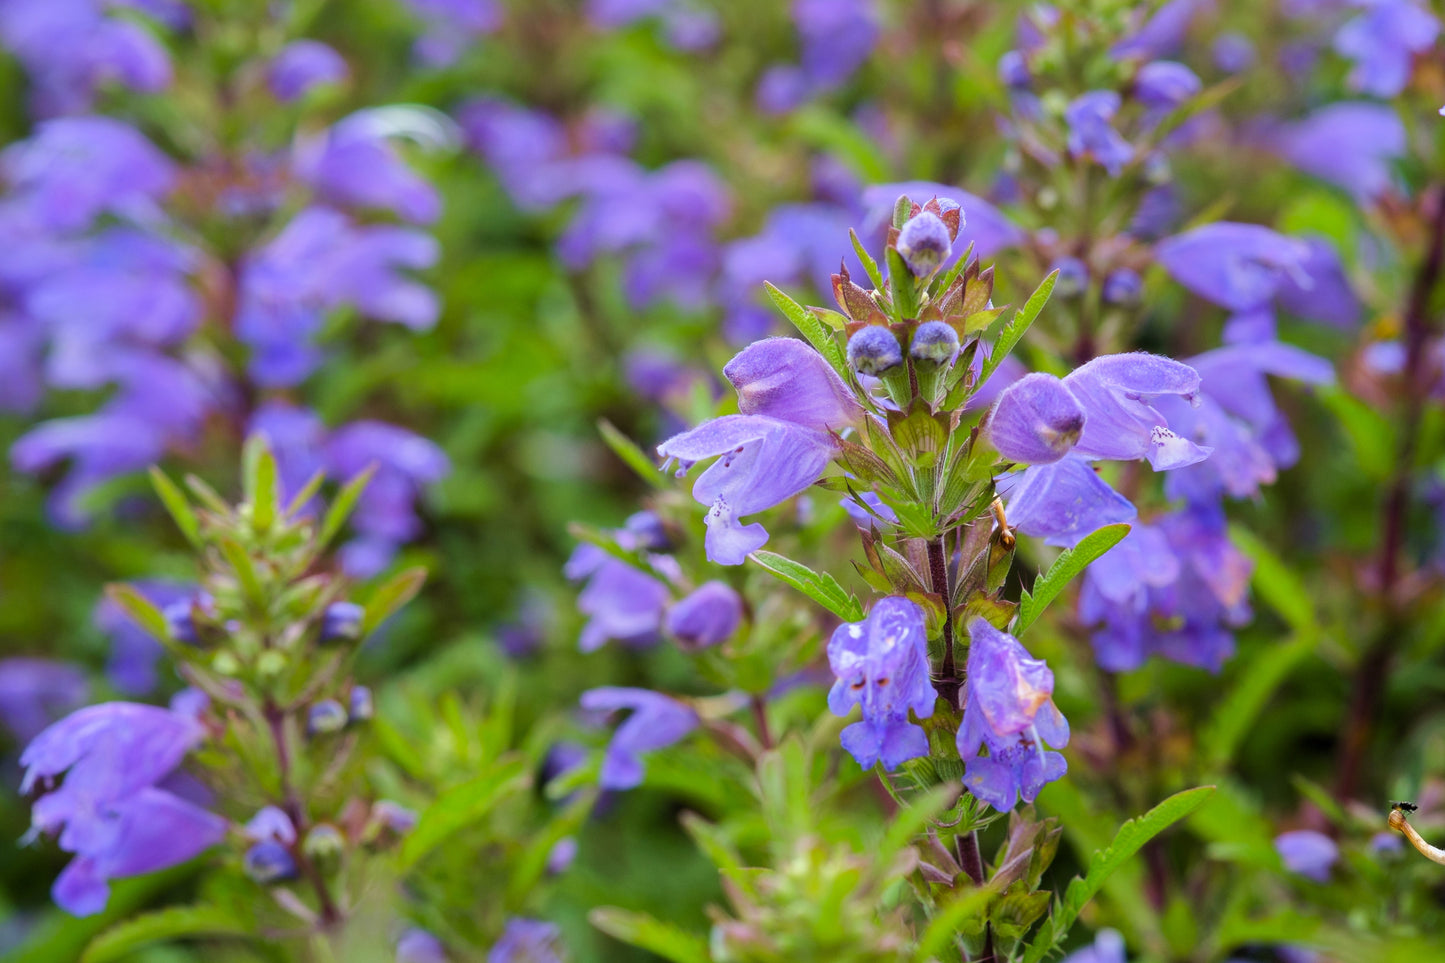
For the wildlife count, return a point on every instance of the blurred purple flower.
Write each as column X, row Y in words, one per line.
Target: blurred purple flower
column 1090, row 134
column 34, row 692
column 1383, row 41
column 1232, row 53
column 1165, row 84
column 1308, row 853
column 71, row 48
column 527, row 941
column 837, row 36
column 881, row 664
column 451, row 25
column 621, row 602
column 1062, row 502
column 303, row 65
column 107, row 810
column 354, row 165
column 657, row 721
column 385, row 513
column 1009, row 708
column 134, row 651
column 1163, row 33
column 1237, row 266
column 1353, row 145
column 1108, row 947
column 419, row 946
column 710, row 614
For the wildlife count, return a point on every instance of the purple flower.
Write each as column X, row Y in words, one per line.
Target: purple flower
column 782, row 88
column 619, row 601
column 1116, row 391
column 1062, row 502
column 1163, row 33
column 1036, row 420
column 1122, row 286
column 72, row 47
column 385, row 513
column 1108, row 947
column 303, row 65
column 451, row 25
column 527, row 941
column 1327, row 297
column 709, row 615
column 775, row 449
column 1073, row 277
column 862, row 517
column 837, row 37
column 1382, row 41
column 1237, row 266
column 657, row 721
column 419, row 946
column 1165, row 84
column 1353, row 145
column 99, row 447
column 271, row 822
column 134, row 651
column 107, row 810
column 1090, row 134
column 33, row 692
column 353, row 165
column 1308, row 853
column 1009, row 709
column 72, row 170
column 1233, row 53
column 881, row 664
column 1013, row 70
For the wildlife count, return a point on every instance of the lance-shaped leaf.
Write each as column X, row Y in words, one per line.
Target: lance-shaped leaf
column 1013, row 332
column 818, row 586
column 1066, row 567
column 811, row 328
column 122, row 940
column 653, row 935
column 180, row 509
column 633, row 456
column 398, row 590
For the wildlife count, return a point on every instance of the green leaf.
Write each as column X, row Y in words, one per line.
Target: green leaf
column 634, row 457
column 342, row 505
column 245, row 570
column 179, row 507
column 1276, row 583
column 1018, row 324
column 168, row 924
column 460, row 807
column 866, row 259
column 1130, row 838
column 308, row 491
column 943, row 926
column 1066, row 567
column 208, row 495
column 653, row 935
column 390, row 596
column 1254, row 684
column 818, row 586
column 811, row 328
column 262, row 487
column 902, row 286
column 140, row 608
column 1372, row 435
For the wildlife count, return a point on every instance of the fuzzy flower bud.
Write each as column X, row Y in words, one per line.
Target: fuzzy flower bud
column 1036, row 420
column 324, row 845
column 326, row 716
column 874, row 350
column 924, row 243
column 342, row 620
column 934, row 342
column 1073, row 277
column 362, row 705
column 269, row 862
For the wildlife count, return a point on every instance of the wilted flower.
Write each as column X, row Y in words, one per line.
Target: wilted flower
column 657, row 721
column 881, row 664
column 1009, row 709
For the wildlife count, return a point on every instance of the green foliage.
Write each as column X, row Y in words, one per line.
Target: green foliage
column 818, row 586
column 174, row 923
column 1070, row 563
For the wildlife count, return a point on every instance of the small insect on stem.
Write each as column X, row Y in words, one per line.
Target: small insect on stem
column 1399, row 823
column 1006, row 535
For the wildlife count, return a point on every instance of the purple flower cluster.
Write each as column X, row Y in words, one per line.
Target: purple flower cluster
column 112, row 810
column 657, row 721
column 836, row 37
column 99, row 295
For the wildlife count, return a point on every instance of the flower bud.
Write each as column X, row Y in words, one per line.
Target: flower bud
column 1013, row 70
column 874, row 350
column 388, row 821
column 326, row 716
column 706, row 617
column 269, row 862
column 324, row 845
column 1036, row 420
column 362, row 707
column 1123, row 287
column 935, row 342
column 181, row 622
column 924, row 243
column 342, row 620
column 1073, row 277
column 1165, row 84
